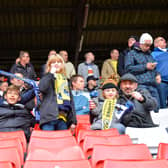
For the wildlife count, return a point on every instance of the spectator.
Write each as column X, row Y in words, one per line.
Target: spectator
column 142, row 100
column 3, row 88
column 81, row 98
column 24, row 66
column 160, row 54
column 140, row 63
column 43, row 67
column 109, row 69
column 88, row 67
column 56, row 110
column 105, row 110
column 14, row 116
column 121, row 59
column 69, row 67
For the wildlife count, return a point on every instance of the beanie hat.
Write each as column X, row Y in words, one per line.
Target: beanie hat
column 129, row 77
column 146, row 38
column 109, row 84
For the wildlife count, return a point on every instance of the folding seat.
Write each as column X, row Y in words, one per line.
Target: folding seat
column 10, row 154
column 37, row 127
column 163, row 151
column 116, row 152
column 49, row 143
column 59, row 164
column 64, row 153
column 82, row 126
column 135, row 164
column 89, row 141
column 15, row 142
column 6, row 165
column 83, row 133
column 83, row 118
column 15, row 134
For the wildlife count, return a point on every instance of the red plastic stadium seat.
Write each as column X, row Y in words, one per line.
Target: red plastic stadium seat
column 82, row 126
column 64, row 153
column 15, row 134
column 116, row 152
column 37, row 127
column 83, row 119
column 6, row 165
column 49, row 143
column 15, row 142
column 10, row 154
column 59, row 164
column 163, row 151
column 89, row 141
column 83, row 133
column 135, row 164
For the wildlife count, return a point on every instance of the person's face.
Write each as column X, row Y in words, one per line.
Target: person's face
column 128, row 87
column 64, row 55
column 92, row 83
column 162, row 43
column 12, row 96
column 114, row 55
column 17, row 82
column 110, row 93
column 4, row 86
column 90, row 57
column 25, row 58
column 52, row 52
column 131, row 41
column 58, row 65
column 79, row 84
column 145, row 47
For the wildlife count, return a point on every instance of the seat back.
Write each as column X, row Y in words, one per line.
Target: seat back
column 90, row 141
column 60, row 164
column 6, row 165
column 163, row 151
column 81, row 126
column 83, row 118
column 122, row 152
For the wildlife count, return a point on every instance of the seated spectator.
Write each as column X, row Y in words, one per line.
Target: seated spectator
column 69, row 67
column 3, row 87
column 24, row 66
column 142, row 100
column 105, row 110
column 88, row 67
column 56, row 110
column 14, row 116
column 160, row 55
column 80, row 97
column 109, row 69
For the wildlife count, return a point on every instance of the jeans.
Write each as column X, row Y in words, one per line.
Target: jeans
column 55, row 125
column 163, row 94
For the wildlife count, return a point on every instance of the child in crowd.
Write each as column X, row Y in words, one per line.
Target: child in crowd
column 14, row 116
column 105, row 111
column 3, row 87
column 57, row 109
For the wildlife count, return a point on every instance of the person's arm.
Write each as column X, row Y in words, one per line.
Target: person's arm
column 104, row 71
column 27, row 96
column 120, row 64
column 80, row 69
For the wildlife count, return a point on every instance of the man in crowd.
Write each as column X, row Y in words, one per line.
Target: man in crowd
column 140, row 63
column 160, row 54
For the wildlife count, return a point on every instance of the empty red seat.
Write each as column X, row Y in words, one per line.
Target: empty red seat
column 83, row 133
column 49, row 143
column 15, row 134
column 83, row 119
column 116, row 152
column 6, row 165
column 58, row 164
column 10, row 154
column 90, row 141
column 135, row 164
column 163, row 151
column 63, row 153
column 82, row 126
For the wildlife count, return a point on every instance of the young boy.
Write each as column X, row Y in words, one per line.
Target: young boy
column 105, row 111
column 14, row 116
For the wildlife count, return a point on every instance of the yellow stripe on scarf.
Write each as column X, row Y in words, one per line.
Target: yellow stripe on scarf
column 107, row 112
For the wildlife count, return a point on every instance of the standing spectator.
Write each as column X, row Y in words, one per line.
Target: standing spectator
column 142, row 100
column 24, row 66
column 69, row 67
column 109, row 69
column 81, row 98
column 43, row 67
column 88, row 67
column 56, row 110
column 160, row 54
column 140, row 63
column 121, row 59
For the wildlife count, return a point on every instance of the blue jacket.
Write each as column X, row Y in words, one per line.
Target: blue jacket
column 135, row 63
column 161, row 57
column 81, row 102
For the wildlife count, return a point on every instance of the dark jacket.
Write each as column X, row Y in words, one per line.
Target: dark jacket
column 28, row 71
column 140, row 117
column 49, row 107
